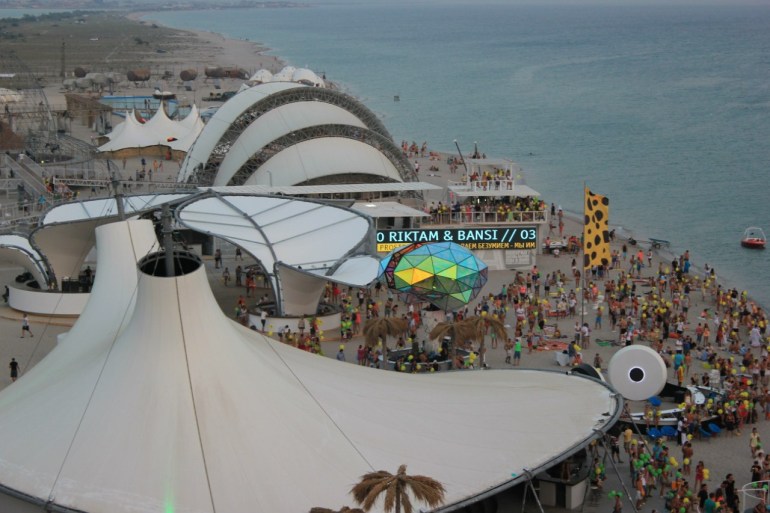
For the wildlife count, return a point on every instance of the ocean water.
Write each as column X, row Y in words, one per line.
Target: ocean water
column 664, row 109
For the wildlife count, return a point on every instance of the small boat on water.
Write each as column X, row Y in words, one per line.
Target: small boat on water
column 754, row 238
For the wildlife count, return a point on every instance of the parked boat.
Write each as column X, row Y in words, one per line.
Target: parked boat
column 754, row 238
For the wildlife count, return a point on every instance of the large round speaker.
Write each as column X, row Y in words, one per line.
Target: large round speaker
column 637, row 372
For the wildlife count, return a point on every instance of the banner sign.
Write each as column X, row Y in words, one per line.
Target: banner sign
column 503, row 237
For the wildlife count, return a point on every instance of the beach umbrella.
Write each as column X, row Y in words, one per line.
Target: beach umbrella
column 444, row 274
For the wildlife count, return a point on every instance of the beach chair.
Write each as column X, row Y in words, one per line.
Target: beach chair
column 669, row 432
column 715, row 430
column 654, row 433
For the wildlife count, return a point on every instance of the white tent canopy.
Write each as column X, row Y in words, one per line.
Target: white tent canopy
column 261, row 76
column 185, row 410
column 158, row 131
column 18, row 250
column 106, row 207
column 276, row 229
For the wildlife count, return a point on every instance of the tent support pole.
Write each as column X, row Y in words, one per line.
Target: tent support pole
column 534, row 492
column 620, row 478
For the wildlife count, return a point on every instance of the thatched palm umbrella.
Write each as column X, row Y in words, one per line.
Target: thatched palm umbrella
column 479, row 326
column 457, row 331
column 381, row 327
column 396, row 488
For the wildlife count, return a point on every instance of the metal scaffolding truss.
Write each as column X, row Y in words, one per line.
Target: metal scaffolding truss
column 205, row 172
column 376, row 140
column 24, row 110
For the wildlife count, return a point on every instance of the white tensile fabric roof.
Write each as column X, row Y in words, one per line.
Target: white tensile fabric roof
column 318, row 158
column 296, row 233
column 157, row 131
column 285, row 75
column 357, row 271
column 66, row 233
column 387, row 209
column 221, row 121
column 276, row 123
column 129, row 119
column 62, row 383
column 106, row 207
column 261, row 76
column 306, row 76
column 18, row 250
column 275, row 229
column 185, row 410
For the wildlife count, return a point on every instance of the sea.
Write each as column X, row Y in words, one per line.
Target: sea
column 665, row 109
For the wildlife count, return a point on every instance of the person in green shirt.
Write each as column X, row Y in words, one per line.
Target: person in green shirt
column 517, row 352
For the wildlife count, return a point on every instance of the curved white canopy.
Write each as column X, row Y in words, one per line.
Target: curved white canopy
column 189, row 412
column 106, row 207
column 18, row 250
column 297, row 233
column 276, row 123
column 357, row 271
column 319, row 158
column 261, row 76
column 285, row 75
column 308, row 77
column 221, row 121
column 66, row 233
column 275, row 229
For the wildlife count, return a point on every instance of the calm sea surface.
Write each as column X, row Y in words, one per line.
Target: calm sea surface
column 664, row 109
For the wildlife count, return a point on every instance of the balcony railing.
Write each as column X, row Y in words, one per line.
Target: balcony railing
column 485, row 185
column 537, row 216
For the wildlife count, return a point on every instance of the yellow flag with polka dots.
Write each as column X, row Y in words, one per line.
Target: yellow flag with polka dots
column 596, row 233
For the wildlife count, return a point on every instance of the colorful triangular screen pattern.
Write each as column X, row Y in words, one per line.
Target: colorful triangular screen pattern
column 443, row 273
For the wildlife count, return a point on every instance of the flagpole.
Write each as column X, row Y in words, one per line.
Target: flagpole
column 583, row 277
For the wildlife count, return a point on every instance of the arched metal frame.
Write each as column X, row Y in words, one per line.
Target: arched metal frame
column 374, row 139
column 204, row 173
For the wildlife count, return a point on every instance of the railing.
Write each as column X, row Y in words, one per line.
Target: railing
column 485, row 185
column 10, row 185
column 538, row 216
column 130, row 184
column 31, row 181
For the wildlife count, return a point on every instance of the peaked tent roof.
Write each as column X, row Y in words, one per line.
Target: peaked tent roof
column 170, row 440
column 62, row 383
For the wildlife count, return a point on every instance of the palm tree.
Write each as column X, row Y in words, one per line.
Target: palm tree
column 457, row 331
column 380, row 328
column 396, row 489
column 479, row 326
column 344, row 509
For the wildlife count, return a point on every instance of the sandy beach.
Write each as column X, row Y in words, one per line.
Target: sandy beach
column 117, row 50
